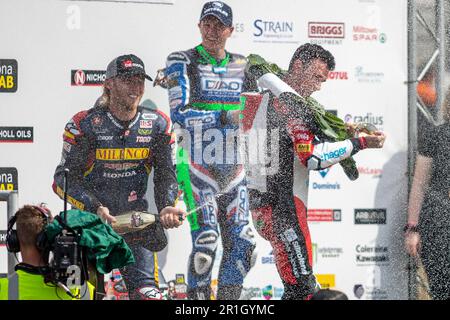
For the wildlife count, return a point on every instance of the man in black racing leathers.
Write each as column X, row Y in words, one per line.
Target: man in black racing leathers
column 110, row 151
column 293, row 146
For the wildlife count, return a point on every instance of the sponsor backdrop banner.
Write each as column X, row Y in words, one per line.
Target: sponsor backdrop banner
column 355, row 226
column 8, row 75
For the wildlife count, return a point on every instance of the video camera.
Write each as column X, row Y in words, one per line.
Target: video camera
column 67, row 260
column 68, row 263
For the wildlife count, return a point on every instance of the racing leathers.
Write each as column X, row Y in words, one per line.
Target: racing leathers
column 283, row 148
column 203, row 94
column 109, row 163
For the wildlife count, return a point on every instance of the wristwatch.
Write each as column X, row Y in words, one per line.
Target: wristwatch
column 410, row 228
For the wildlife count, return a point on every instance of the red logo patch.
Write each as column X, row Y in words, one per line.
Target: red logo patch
column 146, row 124
column 96, row 121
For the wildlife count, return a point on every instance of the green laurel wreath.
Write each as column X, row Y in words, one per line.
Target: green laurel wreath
column 329, row 125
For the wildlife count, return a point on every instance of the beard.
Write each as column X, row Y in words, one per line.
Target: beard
column 129, row 105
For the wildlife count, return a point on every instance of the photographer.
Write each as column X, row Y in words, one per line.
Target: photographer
column 29, row 239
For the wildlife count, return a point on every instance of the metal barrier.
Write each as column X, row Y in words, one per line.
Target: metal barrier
column 12, row 199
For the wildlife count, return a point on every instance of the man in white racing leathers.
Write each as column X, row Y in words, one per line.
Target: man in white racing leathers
column 293, row 146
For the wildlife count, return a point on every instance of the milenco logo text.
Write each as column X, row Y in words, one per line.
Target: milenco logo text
column 326, row 32
column 122, row 154
column 87, row 77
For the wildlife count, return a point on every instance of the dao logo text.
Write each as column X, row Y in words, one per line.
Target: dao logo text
column 228, row 87
column 197, row 121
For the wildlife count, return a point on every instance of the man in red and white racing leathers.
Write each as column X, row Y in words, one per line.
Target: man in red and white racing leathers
column 291, row 147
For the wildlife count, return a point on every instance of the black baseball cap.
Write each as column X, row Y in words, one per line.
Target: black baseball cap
column 220, row 10
column 125, row 65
